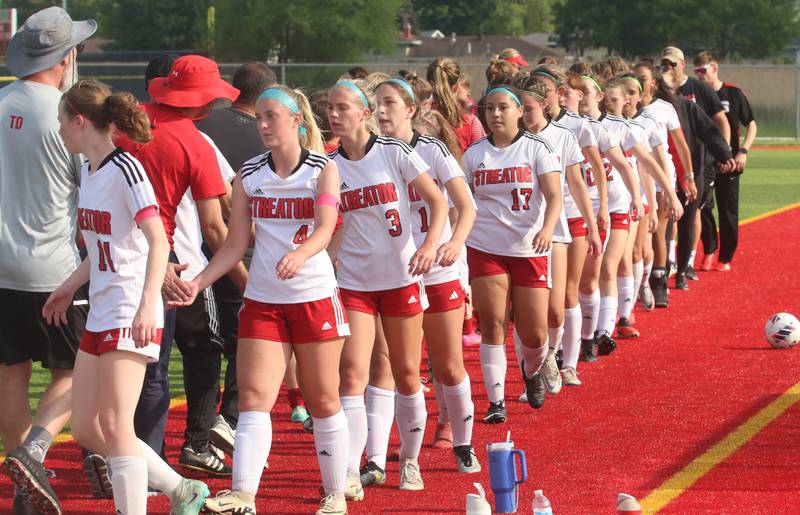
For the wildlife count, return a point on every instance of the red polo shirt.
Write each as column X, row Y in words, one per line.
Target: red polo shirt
column 176, row 159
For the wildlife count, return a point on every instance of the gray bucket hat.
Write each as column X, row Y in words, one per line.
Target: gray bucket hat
column 45, row 39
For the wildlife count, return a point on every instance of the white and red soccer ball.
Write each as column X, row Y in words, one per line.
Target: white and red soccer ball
column 783, row 331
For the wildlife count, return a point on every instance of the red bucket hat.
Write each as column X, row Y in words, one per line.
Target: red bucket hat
column 193, row 81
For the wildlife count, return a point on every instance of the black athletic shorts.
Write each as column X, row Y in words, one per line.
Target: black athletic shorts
column 26, row 335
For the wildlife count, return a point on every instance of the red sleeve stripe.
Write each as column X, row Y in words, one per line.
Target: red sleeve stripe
column 146, row 212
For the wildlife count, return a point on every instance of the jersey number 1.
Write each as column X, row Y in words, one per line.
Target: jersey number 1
column 105, row 262
column 515, row 194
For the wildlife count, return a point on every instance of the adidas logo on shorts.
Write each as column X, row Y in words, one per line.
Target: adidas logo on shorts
column 454, row 295
column 108, row 338
column 625, row 221
column 326, row 326
column 542, row 277
column 412, row 299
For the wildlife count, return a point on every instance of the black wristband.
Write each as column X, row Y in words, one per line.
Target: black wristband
column 743, row 151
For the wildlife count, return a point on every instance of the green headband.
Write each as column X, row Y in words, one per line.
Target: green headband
column 589, row 77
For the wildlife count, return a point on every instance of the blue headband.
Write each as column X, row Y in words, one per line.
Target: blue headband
column 284, row 98
column 542, row 72
column 405, row 85
column 355, row 89
column 507, row 92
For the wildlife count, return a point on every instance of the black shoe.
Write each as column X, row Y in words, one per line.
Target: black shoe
column 466, row 459
column 371, row 474
column 560, row 358
column 308, row 425
column 691, row 274
column 22, row 507
column 496, row 414
column 95, row 469
column 534, row 388
column 680, row 282
column 588, row 351
column 661, row 296
column 206, row 461
column 29, row 475
column 605, row 344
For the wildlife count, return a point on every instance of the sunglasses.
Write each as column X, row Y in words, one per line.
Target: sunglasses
column 667, row 66
column 702, row 70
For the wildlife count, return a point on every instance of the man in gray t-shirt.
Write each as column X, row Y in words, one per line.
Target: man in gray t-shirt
column 38, row 201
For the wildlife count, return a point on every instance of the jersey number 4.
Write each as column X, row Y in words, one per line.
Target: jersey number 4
column 105, row 262
column 515, row 198
column 301, row 235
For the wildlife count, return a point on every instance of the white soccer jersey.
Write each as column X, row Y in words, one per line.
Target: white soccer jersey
column 646, row 133
column 568, row 153
column 665, row 115
column 111, row 200
column 283, row 213
column 605, row 142
column 443, row 168
column 510, row 202
column 377, row 223
column 580, row 128
column 619, row 198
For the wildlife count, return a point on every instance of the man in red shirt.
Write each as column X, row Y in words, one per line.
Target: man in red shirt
column 179, row 158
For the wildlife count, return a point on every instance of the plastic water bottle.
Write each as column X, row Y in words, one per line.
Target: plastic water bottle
column 541, row 505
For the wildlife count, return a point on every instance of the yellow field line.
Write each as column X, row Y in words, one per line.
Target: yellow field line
column 769, row 213
column 673, row 487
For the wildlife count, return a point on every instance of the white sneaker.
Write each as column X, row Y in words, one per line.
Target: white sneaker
column 189, row 497
column 230, row 502
column 353, row 491
column 570, row 376
column 222, row 435
column 333, row 504
column 410, row 477
column 550, row 373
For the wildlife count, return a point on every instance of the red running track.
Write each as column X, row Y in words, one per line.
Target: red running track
column 699, row 371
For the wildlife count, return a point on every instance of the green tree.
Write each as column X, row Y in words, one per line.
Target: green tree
column 502, row 17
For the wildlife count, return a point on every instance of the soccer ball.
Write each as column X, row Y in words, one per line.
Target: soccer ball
column 783, row 331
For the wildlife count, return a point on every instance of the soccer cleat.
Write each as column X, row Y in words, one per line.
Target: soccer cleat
column 496, row 413
column 570, row 377
column 588, row 351
column 680, row 282
column 308, row 425
column 673, row 269
column 190, row 497
column 560, row 358
column 30, row 476
column 22, row 507
column 206, row 461
column 605, row 344
column 723, row 267
column 333, row 504
column 353, row 491
column 222, row 435
column 410, row 476
column 691, row 274
column 707, row 264
column 372, row 474
column 646, row 296
column 466, row 459
column 299, row 414
column 535, row 388
column 233, row 503
column 523, row 397
column 550, row 373
column 443, row 439
column 626, row 330
column 95, row 469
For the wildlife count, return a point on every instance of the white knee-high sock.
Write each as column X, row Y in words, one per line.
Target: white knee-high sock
column 129, row 484
column 554, row 336
column 608, row 315
column 411, row 417
column 493, row 366
column 460, row 407
column 648, row 267
column 356, row 413
column 438, row 391
column 590, row 311
column 533, row 359
column 331, row 442
column 251, row 450
column 638, row 273
column 625, row 295
column 517, row 347
column 671, row 250
column 380, row 415
column 692, row 255
column 159, row 474
column 572, row 337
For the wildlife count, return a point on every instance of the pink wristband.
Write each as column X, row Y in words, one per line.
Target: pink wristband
column 326, row 199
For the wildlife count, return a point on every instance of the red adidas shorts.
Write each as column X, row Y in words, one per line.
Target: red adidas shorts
column 617, row 221
column 398, row 302
column 529, row 272
column 578, row 227
column 445, row 296
column 303, row 322
column 97, row 343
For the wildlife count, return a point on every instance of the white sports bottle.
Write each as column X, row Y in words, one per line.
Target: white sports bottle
column 541, row 504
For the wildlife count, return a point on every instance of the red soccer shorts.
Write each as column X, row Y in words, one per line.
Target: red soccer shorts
column 618, row 221
column 398, row 302
column 445, row 296
column 578, row 227
column 303, row 322
column 530, row 272
column 97, row 343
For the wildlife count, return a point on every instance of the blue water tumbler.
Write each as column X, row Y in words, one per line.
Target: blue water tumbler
column 503, row 475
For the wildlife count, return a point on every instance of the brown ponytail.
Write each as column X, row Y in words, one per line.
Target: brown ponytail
column 93, row 100
column 443, row 74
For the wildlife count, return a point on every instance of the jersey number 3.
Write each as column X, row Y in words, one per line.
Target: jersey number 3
column 395, row 228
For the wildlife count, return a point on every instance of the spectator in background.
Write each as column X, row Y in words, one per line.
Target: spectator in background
column 498, row 72
column 513, row 56
column 548, row 59
column 38, row 201
column 738, row 112
column 445, row 74
column 357, row 72
column 319, row 106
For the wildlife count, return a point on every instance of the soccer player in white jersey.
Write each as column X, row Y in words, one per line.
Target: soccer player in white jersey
column 291, row 302
column 127, row 257
column 443, row 319
column 540, row 96
column 517, row 185
column 378, row 271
